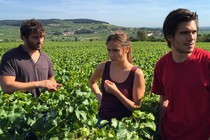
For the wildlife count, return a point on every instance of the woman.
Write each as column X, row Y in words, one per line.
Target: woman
column 122, row 85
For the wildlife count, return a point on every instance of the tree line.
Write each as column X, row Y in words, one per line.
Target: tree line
column 142, row 35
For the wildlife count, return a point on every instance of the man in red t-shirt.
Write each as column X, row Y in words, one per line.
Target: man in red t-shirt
column 182, row 79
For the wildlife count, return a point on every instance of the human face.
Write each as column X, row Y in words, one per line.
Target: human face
column 116, row 52
column 35, row 41
column 184, row 40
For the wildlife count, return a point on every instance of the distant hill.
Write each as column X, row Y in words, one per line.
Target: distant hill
column 205, row 29
column 78, row 30
column 66, row 29
column 88, row 21
column 62, row 29
column 51, row 21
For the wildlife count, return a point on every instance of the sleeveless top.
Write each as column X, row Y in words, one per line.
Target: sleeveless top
column 111, row 107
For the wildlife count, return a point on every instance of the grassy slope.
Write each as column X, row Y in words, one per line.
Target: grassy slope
column 101, row 30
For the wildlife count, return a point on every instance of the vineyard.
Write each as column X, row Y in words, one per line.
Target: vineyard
column 71, row 112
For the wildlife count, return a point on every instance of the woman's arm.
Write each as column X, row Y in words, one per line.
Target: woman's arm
column 97, row 74
column 138, row 87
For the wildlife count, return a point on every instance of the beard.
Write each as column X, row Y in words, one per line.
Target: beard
column 184, row 48
column 182, row 51
column 33, row 46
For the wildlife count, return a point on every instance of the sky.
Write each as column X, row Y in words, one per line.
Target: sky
column 126, row 13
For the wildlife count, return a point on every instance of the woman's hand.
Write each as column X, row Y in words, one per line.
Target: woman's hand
column 110, row 87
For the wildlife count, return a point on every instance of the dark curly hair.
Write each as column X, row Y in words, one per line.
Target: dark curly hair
column 31, row 26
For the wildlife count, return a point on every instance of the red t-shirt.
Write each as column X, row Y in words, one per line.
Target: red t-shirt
column 187, row 87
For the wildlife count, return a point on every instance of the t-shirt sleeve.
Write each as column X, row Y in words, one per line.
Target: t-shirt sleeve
column 7, row 67
column 157, row 86
column 50, row 71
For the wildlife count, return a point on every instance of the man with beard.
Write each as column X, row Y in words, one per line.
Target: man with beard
column 182, row 79
column 26, row 68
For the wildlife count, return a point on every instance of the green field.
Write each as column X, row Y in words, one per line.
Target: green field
column 72, row 110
